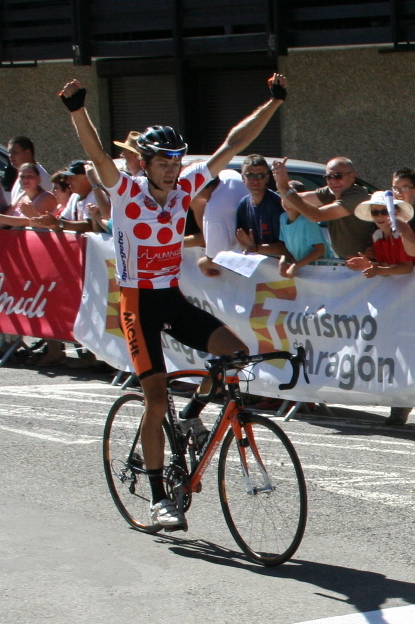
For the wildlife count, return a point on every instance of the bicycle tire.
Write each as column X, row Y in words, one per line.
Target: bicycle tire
column 268, row 526
column 127, row 481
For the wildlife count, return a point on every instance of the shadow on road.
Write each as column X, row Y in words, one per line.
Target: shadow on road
column 363, row 590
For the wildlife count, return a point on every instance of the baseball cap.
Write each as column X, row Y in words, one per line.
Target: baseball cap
column 76, row 167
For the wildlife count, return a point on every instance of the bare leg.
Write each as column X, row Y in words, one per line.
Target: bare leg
column 152, row 435
column 223, row 341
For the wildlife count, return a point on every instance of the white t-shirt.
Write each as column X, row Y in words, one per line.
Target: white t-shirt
column 18, row 192
column 219, row 219
column 148, row 238
column 75, row 209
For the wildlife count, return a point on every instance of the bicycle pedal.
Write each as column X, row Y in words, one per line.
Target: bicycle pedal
column 182, row 527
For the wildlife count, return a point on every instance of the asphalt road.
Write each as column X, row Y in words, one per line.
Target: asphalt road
column 68, row 557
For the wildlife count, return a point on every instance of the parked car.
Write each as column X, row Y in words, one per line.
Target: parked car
column 4, row 158
column 309, row 173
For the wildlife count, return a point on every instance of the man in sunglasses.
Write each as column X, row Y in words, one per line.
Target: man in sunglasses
column 334, row 203
column 149, row 216
column 258, row 214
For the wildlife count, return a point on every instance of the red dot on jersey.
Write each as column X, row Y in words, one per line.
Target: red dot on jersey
column 135, row 189
column 199, row 180
column 142, row 230
column 145, row 284
column 132, row 210
column 174, row 282
column 180, row 225
column 164, row 236
column 185, row 185
column 186, row 202
column 164, row 217
column 123, row 186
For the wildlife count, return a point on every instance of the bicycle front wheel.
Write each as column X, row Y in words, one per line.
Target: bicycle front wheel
column 124, row 461
column 265, row 506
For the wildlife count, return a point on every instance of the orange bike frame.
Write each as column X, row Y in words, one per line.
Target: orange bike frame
column 228, row 417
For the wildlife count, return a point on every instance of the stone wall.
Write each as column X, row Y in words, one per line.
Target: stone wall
column 30, row 106
column 355, row 102
column 358, row 103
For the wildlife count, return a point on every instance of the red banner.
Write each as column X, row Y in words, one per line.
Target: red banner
column 41, row 280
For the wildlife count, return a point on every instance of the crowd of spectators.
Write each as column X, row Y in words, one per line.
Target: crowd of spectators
column 259, row 210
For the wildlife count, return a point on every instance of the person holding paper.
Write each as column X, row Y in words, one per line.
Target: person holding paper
column 215, row 212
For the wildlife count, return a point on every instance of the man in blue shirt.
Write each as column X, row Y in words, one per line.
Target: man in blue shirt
column 258, row 214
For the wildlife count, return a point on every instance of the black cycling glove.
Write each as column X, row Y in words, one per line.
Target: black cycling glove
column 278, row 92
column 76, row 101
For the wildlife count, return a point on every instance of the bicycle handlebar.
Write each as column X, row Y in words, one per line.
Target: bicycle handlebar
column 218, row 366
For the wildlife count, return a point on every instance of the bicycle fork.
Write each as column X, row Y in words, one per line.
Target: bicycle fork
column 249, row 442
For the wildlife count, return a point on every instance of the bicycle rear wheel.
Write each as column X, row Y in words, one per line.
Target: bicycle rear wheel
column 266, row 509
column 124, row 461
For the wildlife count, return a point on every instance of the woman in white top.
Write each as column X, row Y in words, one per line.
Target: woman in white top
column 35, row 201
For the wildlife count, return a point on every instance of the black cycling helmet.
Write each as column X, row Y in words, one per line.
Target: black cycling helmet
column 162, row 140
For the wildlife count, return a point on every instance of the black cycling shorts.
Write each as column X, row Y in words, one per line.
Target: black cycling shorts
column 146, row 312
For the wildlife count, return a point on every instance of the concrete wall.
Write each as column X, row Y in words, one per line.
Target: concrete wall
column 357, row 103
column 30, row 106
column 353, row 102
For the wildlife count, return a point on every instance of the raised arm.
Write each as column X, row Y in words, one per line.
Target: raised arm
column 73, row 96
column 249, row 128
column 306, row 203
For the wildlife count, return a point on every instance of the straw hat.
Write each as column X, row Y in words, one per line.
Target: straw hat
column 130, row 142
column 405, row 212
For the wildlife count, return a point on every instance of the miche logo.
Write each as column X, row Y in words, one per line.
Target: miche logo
column 122, row 255
column 131, row 334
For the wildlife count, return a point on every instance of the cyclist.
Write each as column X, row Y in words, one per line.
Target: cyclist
column 149, row 215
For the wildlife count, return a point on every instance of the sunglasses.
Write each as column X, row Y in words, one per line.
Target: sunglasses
column 400, row 189
column 335, row 176
column 376, row 213
column 179, row 153
column 255, row 176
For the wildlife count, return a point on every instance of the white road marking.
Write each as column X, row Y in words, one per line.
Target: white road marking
column 53, row 437
column 395, row 615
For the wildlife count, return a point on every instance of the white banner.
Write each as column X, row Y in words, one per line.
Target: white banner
column 357, row 332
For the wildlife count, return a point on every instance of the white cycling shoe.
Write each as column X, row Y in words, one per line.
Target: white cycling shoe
column 167, row 515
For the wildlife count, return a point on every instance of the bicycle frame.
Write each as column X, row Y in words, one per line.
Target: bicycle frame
column 227, row 417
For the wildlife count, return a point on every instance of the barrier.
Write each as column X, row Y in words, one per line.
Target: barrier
column 357, row 332
column 41, row 280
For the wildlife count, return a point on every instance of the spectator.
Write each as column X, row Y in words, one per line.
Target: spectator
column 61, row 190
column 258, row 214
column 22, row 150
column 334, row 203
column 130, row 154
column 403, row 187
column 391, row 258
column 388, row 250
column 34, row 200
column 215, row 211
column 304, row 239
column 75, row 216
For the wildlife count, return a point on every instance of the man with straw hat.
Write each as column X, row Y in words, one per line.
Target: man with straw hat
column 130, row 153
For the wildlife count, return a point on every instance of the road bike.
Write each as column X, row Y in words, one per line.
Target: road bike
column 262, row 488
